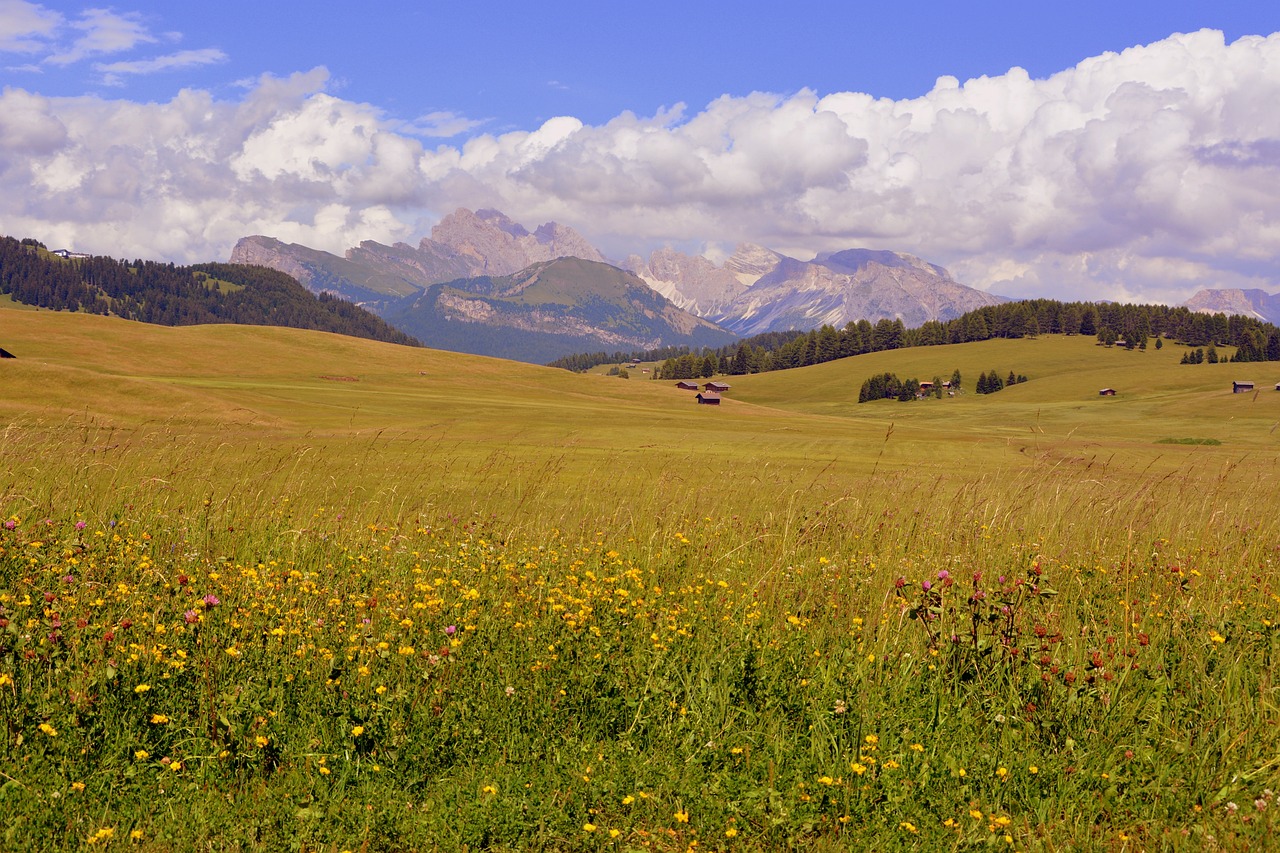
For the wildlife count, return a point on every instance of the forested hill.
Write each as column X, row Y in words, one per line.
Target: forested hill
column 171, row 295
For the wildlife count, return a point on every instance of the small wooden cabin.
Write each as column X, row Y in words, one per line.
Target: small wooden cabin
column 1241, row 387
column 1107, row 392
column 708, row 398
column 687, row 386
column 716, row 387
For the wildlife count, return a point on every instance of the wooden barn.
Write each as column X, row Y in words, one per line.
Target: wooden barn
column 1107, row 392
column 708, row 398
column 716, row 387
column 1241, row 387
column 685, row 385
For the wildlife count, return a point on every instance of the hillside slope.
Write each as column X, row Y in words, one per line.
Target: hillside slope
column 178, row 296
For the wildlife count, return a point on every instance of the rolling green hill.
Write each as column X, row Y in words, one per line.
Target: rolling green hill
column 247, row 384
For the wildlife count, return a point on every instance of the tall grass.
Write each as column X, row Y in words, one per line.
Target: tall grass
column 380, row 641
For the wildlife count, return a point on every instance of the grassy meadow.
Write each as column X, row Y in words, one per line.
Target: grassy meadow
column 263, row 589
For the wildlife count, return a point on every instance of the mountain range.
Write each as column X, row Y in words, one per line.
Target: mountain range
column 478, row 284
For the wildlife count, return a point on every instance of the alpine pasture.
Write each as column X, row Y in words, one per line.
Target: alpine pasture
column 264, row 589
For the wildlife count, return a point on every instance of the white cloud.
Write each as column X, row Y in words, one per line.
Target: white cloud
column 26, row 27
column 1140, row 175
column 441, row 124
column 103, row 31
column 113, row 71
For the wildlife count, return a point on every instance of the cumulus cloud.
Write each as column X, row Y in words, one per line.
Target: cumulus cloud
column 1145, row 174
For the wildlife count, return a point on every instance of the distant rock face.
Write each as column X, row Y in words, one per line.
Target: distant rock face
column 269, row 252
column 851, row 285
column 758, row 290
column 690, row 281
column 1249, row 303
column 493, row 244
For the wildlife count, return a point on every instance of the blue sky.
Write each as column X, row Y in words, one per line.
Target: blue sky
column 1122, row 161
column 515, row 65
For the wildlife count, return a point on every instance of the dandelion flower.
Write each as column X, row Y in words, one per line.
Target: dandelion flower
column 681, row 817
column 103, row 834
column 142, row 688
column 141, row 755
column 588, row 827
column 356, row 731
column 730, row 832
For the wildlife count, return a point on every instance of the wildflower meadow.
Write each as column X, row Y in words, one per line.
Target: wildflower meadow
column 273, row 639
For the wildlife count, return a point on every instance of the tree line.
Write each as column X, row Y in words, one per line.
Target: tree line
column 1134, row 325
column 887, row 386
column 170, row 295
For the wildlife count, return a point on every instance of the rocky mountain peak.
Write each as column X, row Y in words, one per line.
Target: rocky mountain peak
column 498, row 219
column 750, row 261
column 261, row 251
column 1250, row 303
column 496, row 245
column 850, row 261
